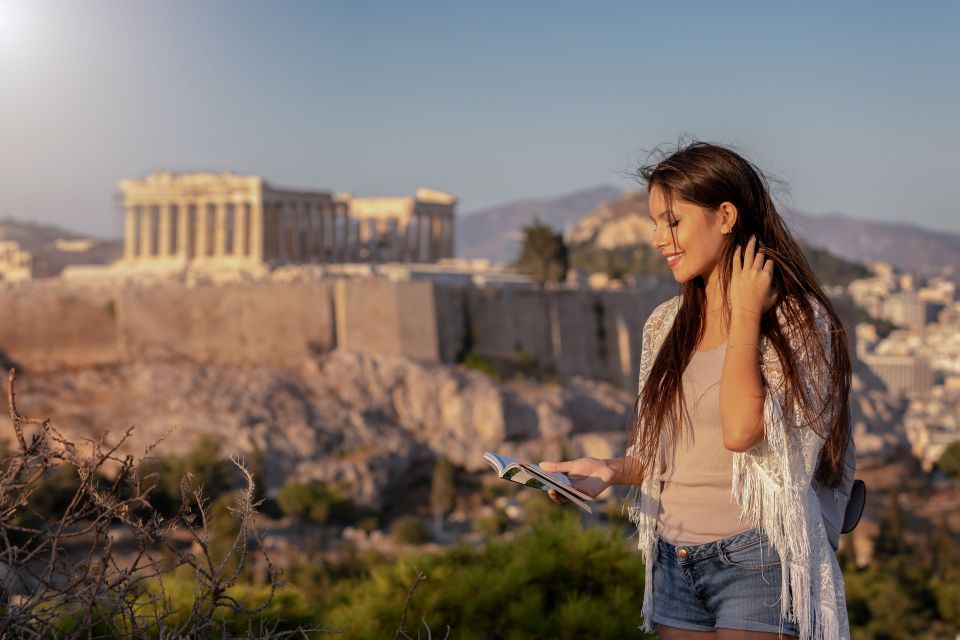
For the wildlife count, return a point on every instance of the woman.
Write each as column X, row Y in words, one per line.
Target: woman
column 726, row 458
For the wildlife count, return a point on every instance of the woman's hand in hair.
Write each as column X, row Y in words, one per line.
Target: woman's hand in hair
column 589, row 475
column 751, row 285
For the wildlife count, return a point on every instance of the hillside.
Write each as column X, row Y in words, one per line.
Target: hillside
column 607, row 219
column 494, row 233
column 906, row 246
column 54, row 248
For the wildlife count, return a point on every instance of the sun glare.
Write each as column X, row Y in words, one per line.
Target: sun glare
column 13, row 23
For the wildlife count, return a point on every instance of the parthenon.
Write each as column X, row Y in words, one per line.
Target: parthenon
column 226, row 218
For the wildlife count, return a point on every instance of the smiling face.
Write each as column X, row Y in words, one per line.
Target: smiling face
column 691, row 238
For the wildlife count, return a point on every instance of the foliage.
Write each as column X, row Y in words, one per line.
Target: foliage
column 618, row 262
column 641, row 259
column 890, row 542
column 558, row 581
column 543, row 255
column 949, row 462
column 203, row 467
column 480, row 363
column 68, row 579
column 409, row 530
column 443, row 491
column 493, row 523
column 831, row 269
column 316, row 502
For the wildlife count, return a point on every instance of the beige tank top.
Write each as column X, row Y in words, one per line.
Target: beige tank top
column 696, row 504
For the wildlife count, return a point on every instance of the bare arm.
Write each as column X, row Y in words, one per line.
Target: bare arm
column 741, row 386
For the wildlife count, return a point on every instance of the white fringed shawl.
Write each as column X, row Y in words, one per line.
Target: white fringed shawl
column 771, row 484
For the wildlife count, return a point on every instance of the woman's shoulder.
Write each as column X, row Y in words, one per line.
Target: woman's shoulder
column 664, row 311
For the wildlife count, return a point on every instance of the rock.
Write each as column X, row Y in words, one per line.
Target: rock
column 366, row 423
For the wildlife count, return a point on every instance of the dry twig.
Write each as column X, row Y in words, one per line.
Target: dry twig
column 66, row 578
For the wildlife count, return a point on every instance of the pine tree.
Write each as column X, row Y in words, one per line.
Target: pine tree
column 544, row 255
column 949, row 462
column 890, row 542
column 946, row 559
column 442, row 493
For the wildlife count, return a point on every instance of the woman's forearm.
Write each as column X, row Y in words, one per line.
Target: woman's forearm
column 741, row 387
column 625, row 471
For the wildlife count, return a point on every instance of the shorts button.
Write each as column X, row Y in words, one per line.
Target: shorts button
column 681, row 553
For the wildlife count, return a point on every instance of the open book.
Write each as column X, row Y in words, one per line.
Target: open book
column 531, row 475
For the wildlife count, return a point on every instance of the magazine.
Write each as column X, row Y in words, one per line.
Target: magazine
column 531, row 475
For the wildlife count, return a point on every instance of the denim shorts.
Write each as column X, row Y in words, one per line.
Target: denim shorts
column 732, row 583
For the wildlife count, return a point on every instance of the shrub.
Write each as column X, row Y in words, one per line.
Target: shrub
column 557, row 581
column 409, row 530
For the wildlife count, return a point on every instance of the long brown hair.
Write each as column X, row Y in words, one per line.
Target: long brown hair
column 708, row 175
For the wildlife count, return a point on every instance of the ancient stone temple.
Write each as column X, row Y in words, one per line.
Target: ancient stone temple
column 15, row 263
column 243, row 220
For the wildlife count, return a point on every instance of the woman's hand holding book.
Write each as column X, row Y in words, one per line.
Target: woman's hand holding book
column 589, row 475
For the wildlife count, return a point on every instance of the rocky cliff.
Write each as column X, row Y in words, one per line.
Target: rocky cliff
column 362, row 421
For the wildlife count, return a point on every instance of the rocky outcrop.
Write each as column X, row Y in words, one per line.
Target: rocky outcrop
column 365, row 422
column 623, row 222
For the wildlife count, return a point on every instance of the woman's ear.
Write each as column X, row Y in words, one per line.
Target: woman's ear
column 728, row 217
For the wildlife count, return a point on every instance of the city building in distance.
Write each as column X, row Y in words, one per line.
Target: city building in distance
column 228, row 220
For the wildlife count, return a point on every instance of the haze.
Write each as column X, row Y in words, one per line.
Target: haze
column 853, row 105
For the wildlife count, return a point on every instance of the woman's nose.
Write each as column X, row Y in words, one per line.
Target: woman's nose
column 660, row 238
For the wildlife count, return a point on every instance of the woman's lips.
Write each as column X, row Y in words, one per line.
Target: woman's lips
column 673, row 260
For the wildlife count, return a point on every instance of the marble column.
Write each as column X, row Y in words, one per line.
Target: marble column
column 393, row 240
column 322, row 232
column 240, row 230
column 348, row 249
column 146, row 229
column 256, row 231
column 163, row 246
column 446, row 248
column 130, row 232
column 306, row 230
column 293, row 231
column 416, row 249
column 433, row 243
column 200, row 231
column 335, row 236
column 280, row 224
column 220, row 231
column 183, row 229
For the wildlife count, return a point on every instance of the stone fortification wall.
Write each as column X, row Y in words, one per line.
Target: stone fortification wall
column 595, row 334
column 54, row 326
column 274, row 324
column 62, row 326
column 571, row 333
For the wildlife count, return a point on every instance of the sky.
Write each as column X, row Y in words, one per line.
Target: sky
column 853, row 106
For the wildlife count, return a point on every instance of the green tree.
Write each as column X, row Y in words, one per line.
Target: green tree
column 409, row 530
column 203, row 466
column 313, row 501
column 560, row 580
column 946, row 560
column 443, row 493
column 544, row 254
column 890, row 542
column 949, row 462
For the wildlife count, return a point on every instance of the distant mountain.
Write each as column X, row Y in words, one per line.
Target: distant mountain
column 608, row 217
column 494, row 233
column 54, row 248
column 906, row 246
